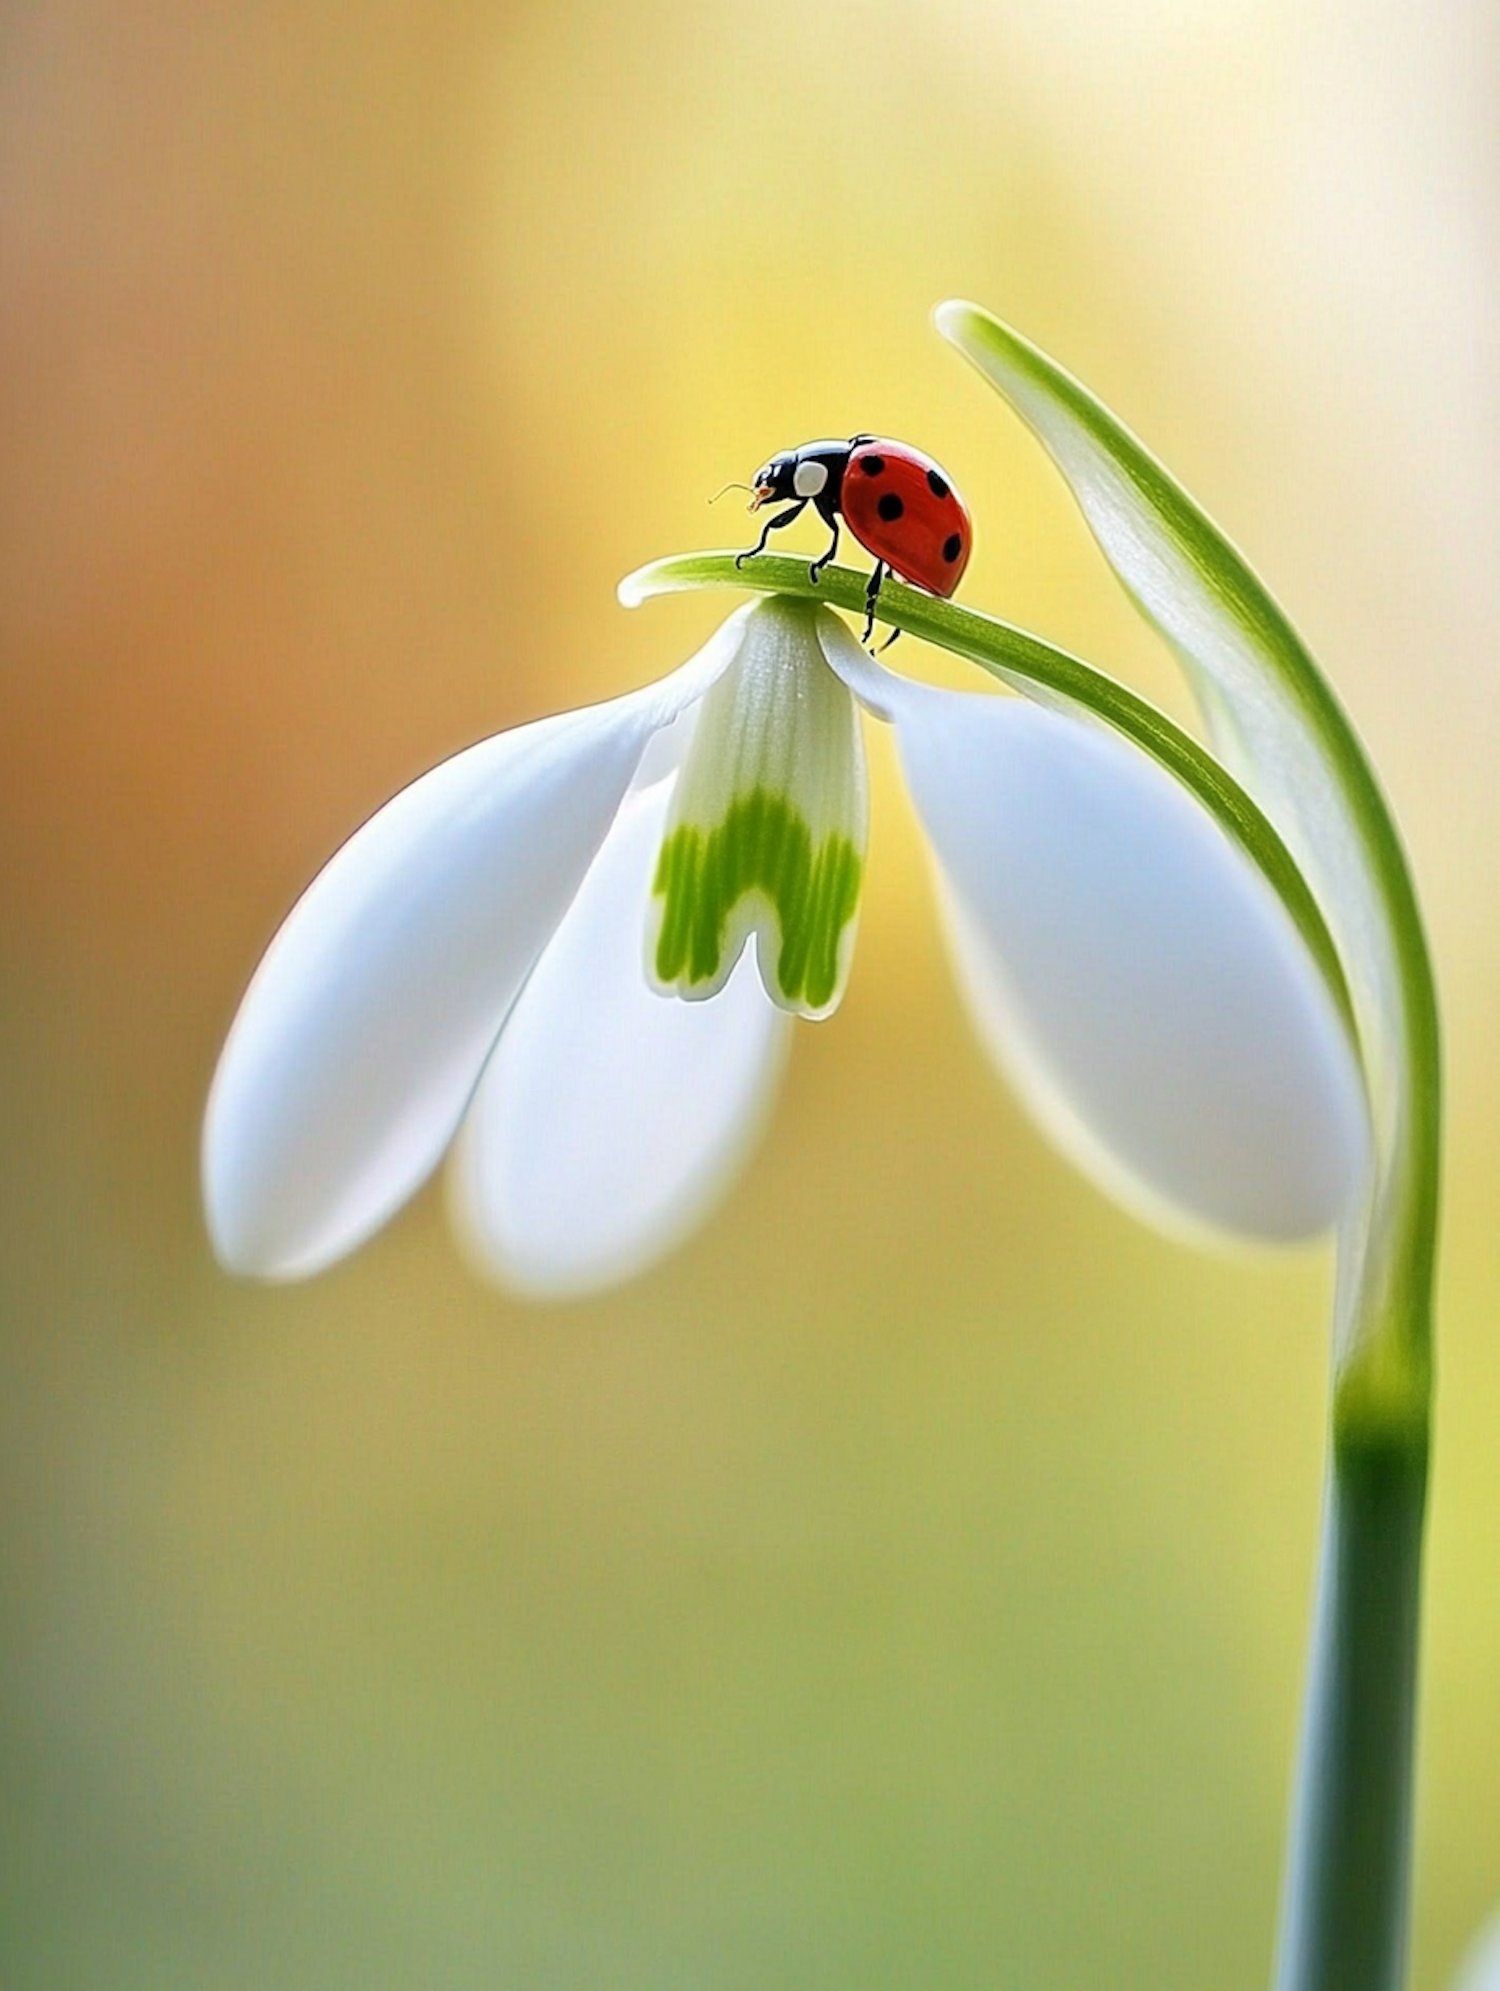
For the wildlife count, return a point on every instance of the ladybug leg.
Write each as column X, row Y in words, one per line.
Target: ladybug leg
column 833, row 546
column 771, row 525
column 872, row 595
column 888, row 642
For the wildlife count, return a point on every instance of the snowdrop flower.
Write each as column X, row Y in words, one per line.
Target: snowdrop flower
column 574, row 953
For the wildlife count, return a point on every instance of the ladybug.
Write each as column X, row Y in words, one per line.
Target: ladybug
column 897, row 502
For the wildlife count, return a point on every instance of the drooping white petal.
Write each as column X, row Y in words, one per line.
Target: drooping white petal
column 665, row 750
column 364, row 1031
column 1480, row 1969
column 610, row 1119
column 1137, row 979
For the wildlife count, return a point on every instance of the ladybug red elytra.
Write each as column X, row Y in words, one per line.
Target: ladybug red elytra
column 898, row 503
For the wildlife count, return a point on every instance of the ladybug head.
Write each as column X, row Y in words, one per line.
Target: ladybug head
column 773, row 480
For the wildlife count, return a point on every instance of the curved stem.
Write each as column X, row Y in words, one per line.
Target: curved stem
column 1045, row 673
column 1277, row 722
column 1281, row 727
column 1344, row 1917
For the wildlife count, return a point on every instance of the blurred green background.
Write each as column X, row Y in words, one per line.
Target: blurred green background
column 907, row 1585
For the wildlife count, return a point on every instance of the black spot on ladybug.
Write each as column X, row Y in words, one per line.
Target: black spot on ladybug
column 872, row 466
column 952, row 545
column 890, row 508
column 937, row 485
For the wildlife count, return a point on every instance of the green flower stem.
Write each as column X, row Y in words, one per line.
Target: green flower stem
column 1275, row 719
column 1348, row 1881
column 1045, row 673
column 1345, row 1910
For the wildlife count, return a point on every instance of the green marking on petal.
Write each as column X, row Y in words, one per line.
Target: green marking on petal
column 762, row 846
column 767, row 829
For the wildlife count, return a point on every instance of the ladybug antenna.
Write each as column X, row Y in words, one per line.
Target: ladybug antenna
column 728, row 487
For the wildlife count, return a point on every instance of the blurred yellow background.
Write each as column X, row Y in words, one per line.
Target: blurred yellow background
column 906, row 1585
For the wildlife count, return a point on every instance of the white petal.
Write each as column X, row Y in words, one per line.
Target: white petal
column 610, row 1119
column 1480, row 1969
column 365, row 1029
column 1133, row 973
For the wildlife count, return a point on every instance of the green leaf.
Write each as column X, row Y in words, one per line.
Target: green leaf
column 1043, row 672
column 1278, row 726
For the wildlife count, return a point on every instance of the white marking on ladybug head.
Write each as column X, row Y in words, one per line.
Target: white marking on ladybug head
column 809, row 478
